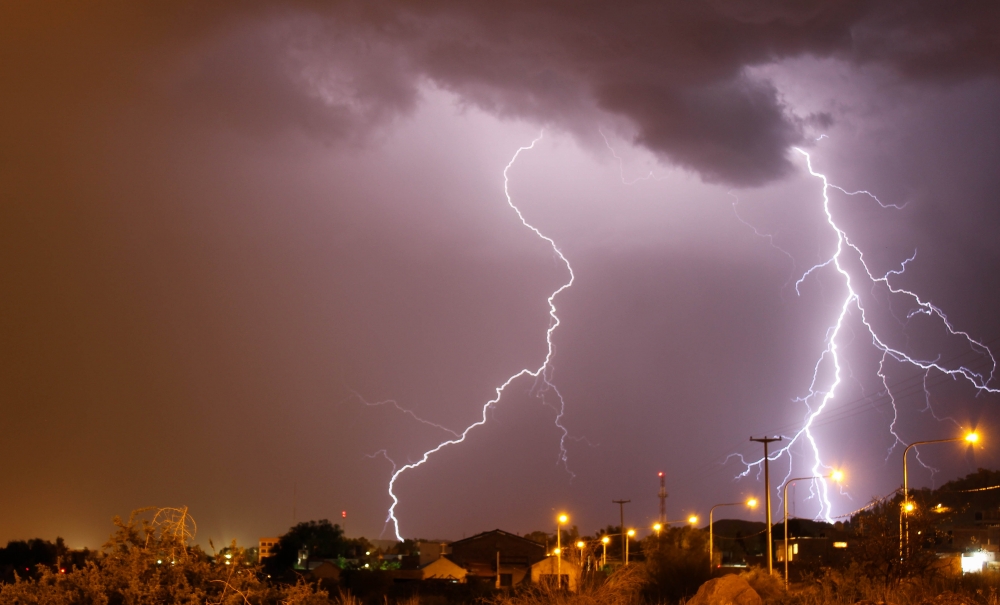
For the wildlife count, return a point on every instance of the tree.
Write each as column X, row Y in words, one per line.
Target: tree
column 876, row 551
column 676, row 563
column 540, row 537
column 148, row 560
column 23, row 557
column 319, row 539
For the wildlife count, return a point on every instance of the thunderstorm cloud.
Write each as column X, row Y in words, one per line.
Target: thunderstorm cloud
column 226, row 227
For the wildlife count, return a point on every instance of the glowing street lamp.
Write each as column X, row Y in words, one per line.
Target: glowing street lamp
column 604, row 554
column 971, row 438
column 580, row 544
column 657, row 527
column 837, row 476
column 693, row 519
column 751, row 503
column 629, row 533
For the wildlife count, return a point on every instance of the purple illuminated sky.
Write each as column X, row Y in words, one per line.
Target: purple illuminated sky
column 224, row 229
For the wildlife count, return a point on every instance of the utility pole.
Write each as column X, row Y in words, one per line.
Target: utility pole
column 621, row 511
column 663, row 500
column 767, row 500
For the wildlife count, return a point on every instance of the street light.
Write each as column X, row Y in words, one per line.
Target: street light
column 971, row 438
column 604, row 554
column 580, row 544
column 657, row 527
column 837, row 476
column 563, row 518
column 751, row 503
column 629, row 534
column 693, row 519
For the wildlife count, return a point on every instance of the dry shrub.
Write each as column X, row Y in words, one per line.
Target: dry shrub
column 346, row 598
column 622, row 587
column 852, row 587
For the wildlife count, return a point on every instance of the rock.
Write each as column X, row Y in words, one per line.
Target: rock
column 727, row 590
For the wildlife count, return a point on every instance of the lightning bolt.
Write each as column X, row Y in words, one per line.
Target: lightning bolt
column 621, row 165
column 768, row 236
column 542, row 375
column 846, row 255
column 405, row 411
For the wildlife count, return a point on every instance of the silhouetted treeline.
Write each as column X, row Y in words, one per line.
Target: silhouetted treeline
column 24, row 556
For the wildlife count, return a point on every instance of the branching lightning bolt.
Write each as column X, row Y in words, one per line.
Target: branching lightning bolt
column 542, row 375
column 621, row 165
column 820, row 396
column 405, row 411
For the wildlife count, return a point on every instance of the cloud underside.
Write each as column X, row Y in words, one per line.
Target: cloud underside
column 675, row 77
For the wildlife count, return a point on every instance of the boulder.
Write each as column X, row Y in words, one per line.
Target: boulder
column 726, row 590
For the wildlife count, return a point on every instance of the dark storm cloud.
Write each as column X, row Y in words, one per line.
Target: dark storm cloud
column 674, row 74
column 171, row 253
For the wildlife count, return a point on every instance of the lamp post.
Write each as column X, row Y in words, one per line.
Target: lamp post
column 628, row 535
column 752, row 502
column 604, row 554
column 563, row 518
column 835, row 475
column 971, row 437
column 657, row 527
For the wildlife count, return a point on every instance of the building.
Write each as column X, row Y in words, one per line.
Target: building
column 429, row 552
column 325, row 570
column 445, row 569
column 549, row 572
column 812, row 544
column 498, row 557
column 266, row 548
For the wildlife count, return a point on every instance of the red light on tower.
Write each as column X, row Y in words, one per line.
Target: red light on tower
column 343, row 514
column 659, row 474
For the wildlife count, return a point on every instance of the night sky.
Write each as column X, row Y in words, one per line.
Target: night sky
column 255, row 256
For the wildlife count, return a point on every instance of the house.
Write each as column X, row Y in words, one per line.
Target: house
column 498, row 557
column 326, row 570
column 546, row 572
column 431, row 551
column 443, row 568
column 803, row 548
